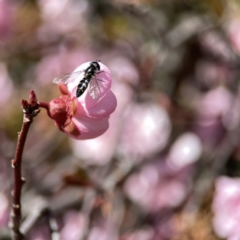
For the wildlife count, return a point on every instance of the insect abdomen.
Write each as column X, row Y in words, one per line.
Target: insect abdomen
column 89, row 73
column 82, row 86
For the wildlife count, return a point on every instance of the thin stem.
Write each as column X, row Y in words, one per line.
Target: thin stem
column 30, row 110
column 18, row 180
column 44, row 105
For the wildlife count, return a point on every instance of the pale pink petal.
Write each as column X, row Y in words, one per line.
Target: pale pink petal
column 104, row 84
column 90, row 128
column 103, row 108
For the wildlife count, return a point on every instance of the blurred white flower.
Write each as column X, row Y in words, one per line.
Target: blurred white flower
column 186, row 150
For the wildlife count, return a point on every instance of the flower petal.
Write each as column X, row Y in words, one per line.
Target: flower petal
column 103, row 108
column 104, row 82
column 89, row 127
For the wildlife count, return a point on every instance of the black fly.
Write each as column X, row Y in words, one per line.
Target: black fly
column 89, row 78
column 89, row 74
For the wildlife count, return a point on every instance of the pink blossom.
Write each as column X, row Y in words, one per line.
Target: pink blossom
column 84, row 117
column 226, row 207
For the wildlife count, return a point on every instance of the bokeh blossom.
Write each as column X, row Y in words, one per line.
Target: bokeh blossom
column 226, row 208
column 145, row 132
column 157, row 186
column 185, row 150
column 84, row 117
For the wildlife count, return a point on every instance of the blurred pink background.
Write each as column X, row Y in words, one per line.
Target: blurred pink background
column 168, row 167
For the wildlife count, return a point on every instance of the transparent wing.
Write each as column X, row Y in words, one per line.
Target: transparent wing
column 94, row 89
column 66, row 78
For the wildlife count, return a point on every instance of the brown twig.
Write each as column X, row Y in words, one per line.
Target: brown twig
column 30, row 110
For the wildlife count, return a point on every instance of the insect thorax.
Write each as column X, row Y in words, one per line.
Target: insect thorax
column 96, row 65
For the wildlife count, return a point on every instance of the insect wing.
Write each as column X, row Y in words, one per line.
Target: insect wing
column 67, row 77
column 94, row 89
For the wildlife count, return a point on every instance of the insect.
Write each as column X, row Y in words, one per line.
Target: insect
column 89, row 78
